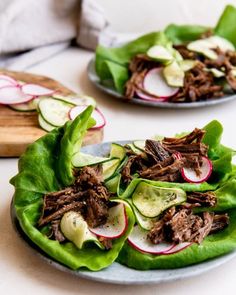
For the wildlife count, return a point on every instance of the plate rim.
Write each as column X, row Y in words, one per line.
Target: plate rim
column 95, row 80
column 148, row 276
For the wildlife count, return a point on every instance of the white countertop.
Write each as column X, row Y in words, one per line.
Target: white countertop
column 22, row 272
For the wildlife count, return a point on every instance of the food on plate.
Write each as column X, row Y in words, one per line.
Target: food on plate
column 53, row 109
column 181, row 64
column 166, row 202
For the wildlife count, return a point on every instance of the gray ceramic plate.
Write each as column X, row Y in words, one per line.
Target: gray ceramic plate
column 117, row 273
column 93, row 77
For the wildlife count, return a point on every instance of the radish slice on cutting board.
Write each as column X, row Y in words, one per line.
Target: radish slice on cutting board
column 178, row 247
column 97, row 115
column 7, row 81
column 36, row 90
column 138, row 240
column 116, row 224
column 13, row 95
column 155, row 84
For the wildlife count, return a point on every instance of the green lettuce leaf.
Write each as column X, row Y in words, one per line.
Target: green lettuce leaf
column 214, row 245
column 46, row 168
column 226, row 26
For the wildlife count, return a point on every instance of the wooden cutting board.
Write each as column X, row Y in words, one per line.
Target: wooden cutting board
column 18, row 129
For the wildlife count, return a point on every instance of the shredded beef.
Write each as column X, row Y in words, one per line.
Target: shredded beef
column 207, row 199
column 87, row 195
column 182, row 225
column 107, row 243
column 56, row 231
column 156, row 151
column 185, row 53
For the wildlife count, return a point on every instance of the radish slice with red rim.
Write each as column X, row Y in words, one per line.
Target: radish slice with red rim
column 97, row 115
column 205, row 172
column 36, row 90
column 13, row 95
column 177, row 248
column 7, row 81
column 145, row 96
column 116, row 224
column 138, row 240
column 155, row 84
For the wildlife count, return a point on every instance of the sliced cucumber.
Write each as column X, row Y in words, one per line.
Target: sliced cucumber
column 187, row 64
column 76, row 99
column 133, row 148
column 160, row 54
column 117, row 151
column 24, row 107
column 76, row 230
column 54, row 111
column 221, row 43
column 45, row 125
column 204, row 47
column 174, row 75
column 112, row 183
column 139, row 144
column 144, row 222
column 80, row 160
column 110, row 167
column 151, row 200
column 216, row 73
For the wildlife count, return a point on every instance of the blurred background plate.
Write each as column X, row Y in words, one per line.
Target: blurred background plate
column 93, row 77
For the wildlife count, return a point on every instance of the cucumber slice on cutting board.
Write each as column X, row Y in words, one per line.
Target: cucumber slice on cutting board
column 44, row 124
column 76, row 99
column 54, row 111
column 25, row 107
column 151, row 200
column 174, row 75
column 160, row 53
column 82, row 159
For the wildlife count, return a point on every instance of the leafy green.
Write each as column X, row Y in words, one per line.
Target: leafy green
column 46, row 168
column 226, row 26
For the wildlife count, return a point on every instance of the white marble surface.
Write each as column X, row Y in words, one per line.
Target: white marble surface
column 21, row 272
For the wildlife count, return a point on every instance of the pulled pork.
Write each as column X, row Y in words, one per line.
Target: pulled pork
column 158, row 161
column 181, row 225
column 87, row 195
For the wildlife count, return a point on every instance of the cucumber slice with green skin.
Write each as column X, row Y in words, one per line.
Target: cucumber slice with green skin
column 151, row 200
column 25, row 107
column 216, row 73
column 117, row 151
column 174, row 75
column 143, row 221
column 110, row 167
column 187, row 64
column 133, row 148
column 81, row 160
column 76, row 99
column 54, row 111
column 76, row 230
column 112, row 183
column 160, row 54
column 139, row 144
column 44, row 124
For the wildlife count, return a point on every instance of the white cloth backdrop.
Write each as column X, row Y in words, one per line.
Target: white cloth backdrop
column 47, row 27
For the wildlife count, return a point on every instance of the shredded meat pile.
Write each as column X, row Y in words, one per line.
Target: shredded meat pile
column 87, row 195
column 199, row 83
column 158, row 161
column 181, row 225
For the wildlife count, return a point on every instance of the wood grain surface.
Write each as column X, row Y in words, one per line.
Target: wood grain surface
column 18, row 129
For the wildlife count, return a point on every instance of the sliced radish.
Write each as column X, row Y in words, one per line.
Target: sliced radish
column 138, row 240
column 145, row 96
column 36, row 90
column 97, row 115
column 116, row 224
column 13, row 95
column 206, row 169
column 155, row 84
column 7, row 81
column 177, row 248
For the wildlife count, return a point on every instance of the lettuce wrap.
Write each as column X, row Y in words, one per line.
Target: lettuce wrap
column 111, row 64
column 46, row 167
